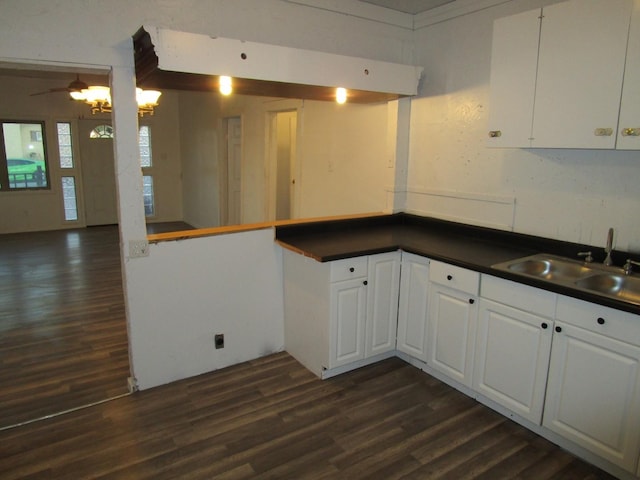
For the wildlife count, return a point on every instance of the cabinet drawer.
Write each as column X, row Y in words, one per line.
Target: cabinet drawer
column 455, row 277
column 348, row 268
column 607, row 321
column 517, row 295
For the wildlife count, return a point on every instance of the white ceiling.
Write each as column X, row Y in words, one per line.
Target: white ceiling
column 409, row 6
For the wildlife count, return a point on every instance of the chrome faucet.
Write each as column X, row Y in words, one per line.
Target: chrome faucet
column 609, row 248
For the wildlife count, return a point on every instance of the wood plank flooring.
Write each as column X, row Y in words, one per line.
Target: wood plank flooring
column 63, row 340
column 272, row 419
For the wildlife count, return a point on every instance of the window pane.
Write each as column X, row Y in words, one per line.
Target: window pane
column 144, row 142
column 26, row 159
column 65, row 148
column 147, row 192
column 69, row 196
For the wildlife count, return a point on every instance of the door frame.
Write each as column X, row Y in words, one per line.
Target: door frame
column 271, row 148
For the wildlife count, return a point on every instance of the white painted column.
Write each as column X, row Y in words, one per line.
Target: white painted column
column 128, row 182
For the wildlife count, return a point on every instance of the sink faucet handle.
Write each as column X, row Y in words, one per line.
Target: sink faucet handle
column 628, row 267
column 588, row 258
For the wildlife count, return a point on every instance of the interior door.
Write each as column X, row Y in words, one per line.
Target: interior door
column 286, row 152
column 98, row 175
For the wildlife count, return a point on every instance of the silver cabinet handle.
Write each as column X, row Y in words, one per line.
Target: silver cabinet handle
column 603, row 132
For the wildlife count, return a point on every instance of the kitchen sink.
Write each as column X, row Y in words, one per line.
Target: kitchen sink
column 594, row 278
column 620, row 286
column 549, row 267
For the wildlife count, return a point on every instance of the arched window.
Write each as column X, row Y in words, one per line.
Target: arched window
column 102, row 131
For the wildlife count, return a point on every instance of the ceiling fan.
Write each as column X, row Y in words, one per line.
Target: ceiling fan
column 76, row 85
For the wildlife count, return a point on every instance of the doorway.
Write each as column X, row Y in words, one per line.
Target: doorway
column 283, row 164
column 98, row 173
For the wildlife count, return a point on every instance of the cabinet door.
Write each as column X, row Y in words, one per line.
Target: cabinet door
column 629, row 124
column 382, row 303
column 593, row 393
column 413, row 307
column 348, row 310
column 580, row 69
column 451, row 330
column 512, row 358
column 514, row 59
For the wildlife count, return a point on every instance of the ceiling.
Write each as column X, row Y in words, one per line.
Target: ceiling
column 409, row 6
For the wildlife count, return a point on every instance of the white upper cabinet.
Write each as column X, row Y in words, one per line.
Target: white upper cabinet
column 629, row 124
column 514, row 60
column 557, row 75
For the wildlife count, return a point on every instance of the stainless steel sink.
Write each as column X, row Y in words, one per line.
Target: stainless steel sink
column 549, row 267
column 590, row 277
column 620, row 286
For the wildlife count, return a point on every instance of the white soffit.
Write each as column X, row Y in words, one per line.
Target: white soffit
column 202, row 54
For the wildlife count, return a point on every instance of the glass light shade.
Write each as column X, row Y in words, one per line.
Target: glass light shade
column 97, row 93
column 341, row 95
column 225, row 85
column 77, row 95
column 147, row 98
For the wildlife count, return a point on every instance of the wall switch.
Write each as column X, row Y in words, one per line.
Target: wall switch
column 218, row 340
column 138, row 248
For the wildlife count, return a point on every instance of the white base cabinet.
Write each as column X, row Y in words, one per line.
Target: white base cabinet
column 451, row 325
column 513, row 345
column 413, row 307
column 348, row 312
column 382, row 303
column 340, row 313
column 593, row 391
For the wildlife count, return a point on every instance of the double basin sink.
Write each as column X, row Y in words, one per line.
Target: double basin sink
column 594, row 278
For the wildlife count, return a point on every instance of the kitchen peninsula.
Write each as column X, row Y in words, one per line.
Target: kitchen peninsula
column 563, row 362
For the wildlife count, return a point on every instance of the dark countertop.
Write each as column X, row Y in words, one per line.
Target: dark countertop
column 475, row 248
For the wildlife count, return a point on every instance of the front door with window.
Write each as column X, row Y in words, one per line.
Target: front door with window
column 98, row 174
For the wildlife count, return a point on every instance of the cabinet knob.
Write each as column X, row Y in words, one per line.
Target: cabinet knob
column 449, row 277
column 352, row 269
column 631, row 132
column 495, row 133
column 558, row 329
column 600, row 321
column 472, row 301
column 544, row 325
column 365, row 283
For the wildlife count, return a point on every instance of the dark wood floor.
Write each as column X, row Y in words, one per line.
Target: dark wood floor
column 63, row 340
column 272, row 419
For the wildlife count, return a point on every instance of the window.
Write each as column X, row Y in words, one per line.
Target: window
column 146, row 162
column 65, row 152
column 102, row 131
column 23, row 164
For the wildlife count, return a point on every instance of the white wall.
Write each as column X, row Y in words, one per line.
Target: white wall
column 199, row 135
column 573, row 195
column 43, row 210
column 190, row 290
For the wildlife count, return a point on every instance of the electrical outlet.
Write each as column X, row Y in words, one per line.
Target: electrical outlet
column 218, row 340
column 138, row 248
